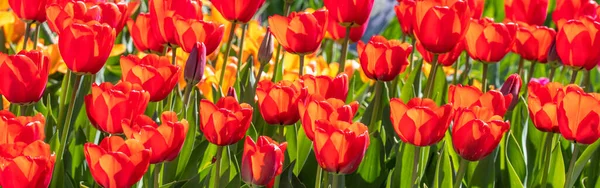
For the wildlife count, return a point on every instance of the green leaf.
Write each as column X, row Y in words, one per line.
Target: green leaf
column 557, row 171
column 303, row 147
column 583, row 160
column 482, row 173
column 289, row 179
column 515, row 162
column 188, row 145
column 409, row 90
column 406, row 153
column 443, row 169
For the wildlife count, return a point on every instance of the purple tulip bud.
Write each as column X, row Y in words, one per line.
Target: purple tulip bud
column 194, row 66
column 541, row 81
column 512, row 86
column 231, row 93
column 265, row 52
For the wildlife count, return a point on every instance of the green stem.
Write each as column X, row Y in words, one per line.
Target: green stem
column 587, row 81
column 415, row 173
column 326, row 179
column 260, row 72
column 319, row 177
column 465, row 73
column 574, row 76
column 412, row 56
column 23, row 109
column 276, row 67
column 431, row 78
column 239, row 58
column 1, row 102
column 484, row 80
column 187, row 94
column 157, row 168
column 548, row 156
column 301, row 68
column 571, row 166
column 169, row 98
column 461, row 172
column 552, row 72
column 521, row 65
column 27, row 33
column 455, row 77
column 344, row 50
column 376, row 108
column 227, row 51
column 36, row 36
column 338, row 180
column 531, row 71
column 218, row 166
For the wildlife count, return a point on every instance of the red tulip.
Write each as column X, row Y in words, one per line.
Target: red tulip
column 477, row 132
column 116, row 162
column 324, row 87
column 468, row 97
column 190, row 31
column 476, row 8
column 543, row 101
column 331, row 109
column 528, row 11
column 226, row 122
column 142, row 36
column 340, row 146
column 29, row 10
column 24, row 129
column 300, row 32
column 349, row 12
column 420, row 122
column 405, row 12
column 533, row 42
column 573, row 9
column 155, row 74
column 488, row 41
column 440, row 27
column 60, row 16
column 338, row 32
column 278, row 103
column 108, row 104
column 23, row 76
column 94, row 43
column 445, row 59
column 383, row 60
column 163, row 14
column 165, row 140
column 26, row 165
column 577, row 43
column 262, row 161
column 238, row 11
column 578, row 115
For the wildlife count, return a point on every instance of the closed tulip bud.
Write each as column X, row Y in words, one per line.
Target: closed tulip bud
column 265, row 52
column 477, row 132
column 405, row 12
column 24, row 129
column 340, row 146
column 420, row 122
column 542, row 81
column 23, row 76
column 467, row 97
column 512, row 86
column 331, row 109
column 231, row 93
column 195, row 64
column 262, row 161
column 278, row 102
column 226, row 122
column 543, row 100
column 324, row 87
column 578, row 115
column 26, row 165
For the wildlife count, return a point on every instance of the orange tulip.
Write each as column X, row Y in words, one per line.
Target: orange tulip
column 60, row 16
column 163, row 14
column 331, row 109
column 338, row 32
column 108, row 104
column 324, row 87
column 30, row 10
column 405, row 12
column 300, row 32
column 155, row 74
column 262, row 161
column 349, row 12
column 226, row 122
column 190, row 31
column 94, row 43
column 489, row 42
column 278, row 102
column 142, row 37
column 467, row 97
column 340, row 146
column 26, row 165
column 533, row 42
column 573, row 9
column 165, row 140
column 577, row 43
column 528, row 11
column 578, row 115
column 24, row 129
column 477, row 131
column 116, row 162
column 238, row 11
column 440, row 27
column 420, row 122
column 23, row 76
column 543, row 101
column 383, row 60
column 445, row 59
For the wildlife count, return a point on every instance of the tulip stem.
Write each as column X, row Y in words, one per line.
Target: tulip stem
column 1, row 102
column 338, row 180
column 552, row 72
column 569, row 182
column 431, row 78
column 319, row 178
column 548, row 156
column 412, row 56
column 218, row 166
column 521, row 65
column 465, row 74
column 27, row 33
column 461, row 172
column 377, row 106
column 574, row 76
column 586, row 81
column 484, row 79
column 344, row 50
column 531, row 71
column 239, row 57
column 415, row 174
column 260, row 72
column 455, row 76
column 186, row 95
column 276, row 67
column 157, row 168
column 301, row 68
column 24, row 110
column 36, row 36
column 227, row 51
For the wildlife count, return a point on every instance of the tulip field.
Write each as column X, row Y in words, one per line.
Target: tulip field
column 299, row 93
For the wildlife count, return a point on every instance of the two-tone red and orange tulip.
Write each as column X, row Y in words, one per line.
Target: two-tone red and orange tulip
column 340, row 146
column 60, row 16
column 331, row 109
column 94, row 44
column 420, row 122
column 405, row 12
column 165, row 140
column 488, row 41
column 440, row 27
column 109, row 104
column 534, row 42
column 338, row 32
column 445, row 59
column 383, row 59
column 543, row 101
column 226, row 122
column 237, row 11
column 24, row 129
column 300, row 32
column 29, row 10
column 117, row 162
column 190, row 31
column 325, row 87
column 477, row 131
column 278, row 102
column 577, row 43
column 26, row 165
column 465, row 97
column 143, row 38
column 23, row 77
column 578, row 115
column 349, row 12
column 528, row 11
column 572, row 10
column 262, row 160
column 163, row 14
column 154, row 73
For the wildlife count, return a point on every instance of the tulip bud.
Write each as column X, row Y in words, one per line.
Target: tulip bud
column 265, row 52
column 231, row 92
column 512, row 86
column 552, row 54
column 194, row 66
column 542, row 81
